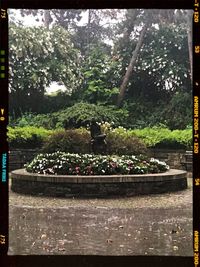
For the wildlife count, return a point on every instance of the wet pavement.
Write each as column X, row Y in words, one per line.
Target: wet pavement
column 146, row 225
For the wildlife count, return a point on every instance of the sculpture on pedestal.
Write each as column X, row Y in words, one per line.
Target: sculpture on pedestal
column 98, row 143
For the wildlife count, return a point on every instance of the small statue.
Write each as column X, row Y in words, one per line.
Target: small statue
column 98, row 143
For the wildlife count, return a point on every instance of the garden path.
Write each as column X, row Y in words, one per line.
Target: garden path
column 145, row 225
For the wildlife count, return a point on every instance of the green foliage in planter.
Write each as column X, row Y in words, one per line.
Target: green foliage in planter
column 164, row 138
column 87, row 164
column 123, row 142
column 72, row 141
column 78, row 141
column 155, row 137
column 27, row 137
column 119, row 140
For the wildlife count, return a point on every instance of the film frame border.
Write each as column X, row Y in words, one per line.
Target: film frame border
column 4, row 5
column 196, row 152
column 3, row 129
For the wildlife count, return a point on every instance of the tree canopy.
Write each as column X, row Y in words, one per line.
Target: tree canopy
column 39, row 56
column 137, row 59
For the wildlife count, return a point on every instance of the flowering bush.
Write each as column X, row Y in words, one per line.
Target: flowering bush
column 88, row 164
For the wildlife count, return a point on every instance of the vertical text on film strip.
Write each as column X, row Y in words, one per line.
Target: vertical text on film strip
column 3, row 131
column 196, row 88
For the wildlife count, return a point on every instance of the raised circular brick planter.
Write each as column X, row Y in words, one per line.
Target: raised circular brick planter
column 98, row 185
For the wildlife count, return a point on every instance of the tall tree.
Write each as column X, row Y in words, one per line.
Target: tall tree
column 47, row 18
column 149, row 18
column 189, row 32
column 37, row 57
column 95, row 31
column 131, row 64
column 67, row 18
column 133, row 60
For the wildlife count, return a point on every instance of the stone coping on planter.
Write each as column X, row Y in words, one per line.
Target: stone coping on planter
column 172, row 174
column 97, row 186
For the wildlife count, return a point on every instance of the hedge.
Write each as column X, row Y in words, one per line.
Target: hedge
column 27, row 137
column 119, row 140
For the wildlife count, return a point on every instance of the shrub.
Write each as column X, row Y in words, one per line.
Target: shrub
column 87, row 164
column 121, row 142
column 47, row 121
column 155, row 137
column 178, row 113
column 82, row 113
column 78, row 141
column 75, row 116
column 25, row 120
column 165, row 138
column 27, row 137
column 72, row 141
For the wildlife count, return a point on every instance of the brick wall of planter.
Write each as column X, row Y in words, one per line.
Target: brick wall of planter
column 97, row 186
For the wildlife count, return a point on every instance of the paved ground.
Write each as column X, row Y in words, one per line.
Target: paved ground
column 146, row 225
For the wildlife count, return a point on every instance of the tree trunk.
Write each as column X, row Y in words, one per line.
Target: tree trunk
column 47, row 18
column 130, row 27
column 189, row 34
column 89, row 30
column 131, row 64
